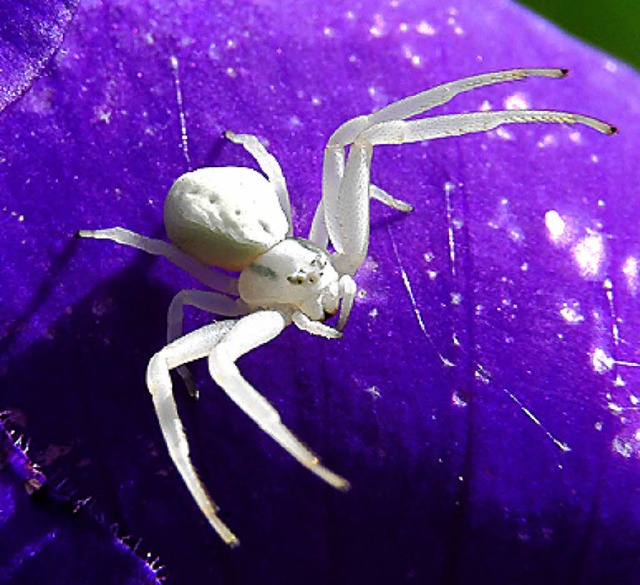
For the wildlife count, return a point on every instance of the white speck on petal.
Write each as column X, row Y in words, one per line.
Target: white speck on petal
column 377, row 30
column 589, row 254
column 504, row 134
column 622, row 447
column 517, row 101
column 547, row 140
column 601, row 361
column 611, row 66
column 571, row 312
column 575, row 137
column 555, row 225
column 373, row 391
column 630, row 269
column 424, row 28
column 615, row 408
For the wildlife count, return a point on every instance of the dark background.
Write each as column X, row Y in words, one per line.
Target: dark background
column 612, row 25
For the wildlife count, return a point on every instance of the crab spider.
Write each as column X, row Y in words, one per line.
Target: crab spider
column 236, row 219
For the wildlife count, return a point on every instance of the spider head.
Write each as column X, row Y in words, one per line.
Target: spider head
column 295, row 272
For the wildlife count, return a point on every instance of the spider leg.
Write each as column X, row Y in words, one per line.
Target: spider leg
column 302, row 322
column 333, row 164
column 347, row 295
column 348, row 219
column 333, row 167
column 201, row 272
column 403, row 132
column 206, row 301
column 383, row 197
column 250, row 332
column 430, row 98
column 318, row 233
column 269, row 165
column 352, row 210
column 191, row 347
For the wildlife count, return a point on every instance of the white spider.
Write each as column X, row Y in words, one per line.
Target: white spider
column 236, row 219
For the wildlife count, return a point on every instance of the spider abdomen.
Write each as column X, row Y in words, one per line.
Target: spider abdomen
column 224, row 216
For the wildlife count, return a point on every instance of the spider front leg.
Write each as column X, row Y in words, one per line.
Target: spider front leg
column 326, row 220
column 353, row 200
column 250, row 332
column 346, row 188
column 193, row 346
column 350, row 230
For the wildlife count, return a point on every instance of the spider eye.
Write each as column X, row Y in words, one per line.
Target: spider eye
column 295, row 279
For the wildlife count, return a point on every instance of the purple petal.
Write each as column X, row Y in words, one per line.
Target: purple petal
column 49, row 539
column 519, row 266
column 30, row 33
